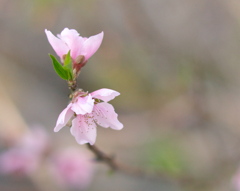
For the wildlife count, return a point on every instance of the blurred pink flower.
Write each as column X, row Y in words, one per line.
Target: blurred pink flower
column 24, row 157
column 35, row 140
column 236, row 181
column 72, row 168
column 18, row 161
column 70, row 39
column 84, row 124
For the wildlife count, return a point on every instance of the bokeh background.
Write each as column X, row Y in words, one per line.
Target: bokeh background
column 176, row 64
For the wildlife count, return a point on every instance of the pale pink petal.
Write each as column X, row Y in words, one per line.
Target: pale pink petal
column 105, row 94
column 83, row 105
column 105, row 116
column 35, row 140
column 91, row 45
column 63, row 118
column 18, row 161
column 73, row 40
column 71, row 167
column 57, row 44
column 69, row 32
column 84, row 129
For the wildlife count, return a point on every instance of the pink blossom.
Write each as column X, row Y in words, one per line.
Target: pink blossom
column 72, row 168
column 84, row 124
column 18, row 161
column 70, row 39
column 35, row 140
column 80, row 105
column 236, row 181
column 24, row 157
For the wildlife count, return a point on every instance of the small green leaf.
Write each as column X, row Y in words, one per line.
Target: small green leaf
column 59, row 69
column 68, row 65
column 67, row 60
column 69, row 73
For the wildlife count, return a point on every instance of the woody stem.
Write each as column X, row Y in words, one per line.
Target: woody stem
column 72, row 85
column 100, row 156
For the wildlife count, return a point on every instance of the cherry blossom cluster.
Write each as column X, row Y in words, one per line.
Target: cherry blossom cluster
column 86, row 110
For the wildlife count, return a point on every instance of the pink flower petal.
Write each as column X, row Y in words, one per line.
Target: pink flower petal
column 57, row 44
column 63, row 118
column 84, row 129
column 91, row 45
column 68, row 32
column 105, row 116
column 105, row 94
column 35, row 140
column 18, row 161
column 69, row 39
column 72, row 167
column 83, row 105
column 73, row 40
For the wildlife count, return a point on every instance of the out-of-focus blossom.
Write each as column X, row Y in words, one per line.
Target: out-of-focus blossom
column 236, row 181
column 72, row 168
column 24, row 157
column 35, row 140
column 79, row 46
column 18, row 161
column 84, row 124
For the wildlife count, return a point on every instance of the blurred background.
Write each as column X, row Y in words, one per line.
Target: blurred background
column 176, row 65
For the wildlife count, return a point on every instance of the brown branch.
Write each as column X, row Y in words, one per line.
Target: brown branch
column 116, row 166
column 102, row 157
column 72, row 85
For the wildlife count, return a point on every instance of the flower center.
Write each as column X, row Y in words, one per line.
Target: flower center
column 78, row 93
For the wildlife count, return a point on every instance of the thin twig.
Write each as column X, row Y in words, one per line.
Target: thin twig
column 116, row 166
column 100, row 156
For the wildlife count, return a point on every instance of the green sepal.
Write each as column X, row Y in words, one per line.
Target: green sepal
column 67, row 65
column 59, row 68
column 67, row 59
